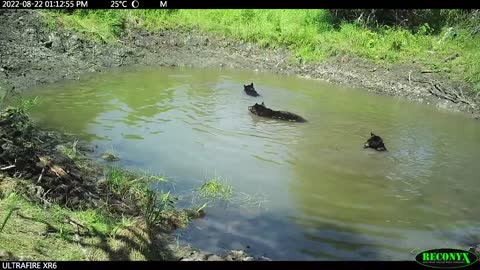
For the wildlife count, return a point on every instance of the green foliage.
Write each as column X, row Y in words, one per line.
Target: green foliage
column 139, row 188
column 110, row 155
column 156, row 205
column 71, row 151
column 51, row 233
column 427, row 37
column 215, row 189
column 24, row 105
column 9, row 213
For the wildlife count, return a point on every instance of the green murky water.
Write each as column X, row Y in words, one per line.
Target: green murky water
column 327, row 198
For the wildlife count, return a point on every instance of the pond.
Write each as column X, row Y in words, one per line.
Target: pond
column 321, row 196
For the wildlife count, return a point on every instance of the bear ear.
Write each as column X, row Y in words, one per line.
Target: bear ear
column 251, row 84
column 263, row 103
column 371, row 134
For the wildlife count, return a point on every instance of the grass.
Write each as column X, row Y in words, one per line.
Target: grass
column 33, row 230
column 25, row 105
column 71, row 151
column 110, row 155
column 139, row 188
column 311, row 35
column 28, row 104
column 128, row 183
column 30, row 230
column 215, row 189
column 60, row 234
column 7, row 216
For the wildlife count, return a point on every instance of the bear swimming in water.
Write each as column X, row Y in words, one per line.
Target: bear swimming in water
column 263, row 111
column 375, row 142
column 250, row 90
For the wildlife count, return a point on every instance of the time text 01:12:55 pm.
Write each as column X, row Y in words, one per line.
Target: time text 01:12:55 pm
column 44, row 4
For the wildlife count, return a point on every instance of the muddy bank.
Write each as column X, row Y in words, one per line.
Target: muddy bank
column 43, row 169
column 31, row 55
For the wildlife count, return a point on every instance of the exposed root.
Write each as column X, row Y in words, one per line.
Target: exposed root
column 452, row 94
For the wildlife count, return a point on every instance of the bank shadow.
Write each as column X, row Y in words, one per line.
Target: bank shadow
column 134, row 242
column 276, row 236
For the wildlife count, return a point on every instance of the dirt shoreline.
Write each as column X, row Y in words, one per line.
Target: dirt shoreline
column 31, row 55
column 47, row 171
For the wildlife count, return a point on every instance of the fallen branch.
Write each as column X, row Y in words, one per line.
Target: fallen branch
column 45, row 194
column 452, row 95
column 476, row 96
column 281, row 61
column 431, row 71
column 85, row 66
column 41, row 175
column 440, row 93
column 57, row 170
column 75, row 222
column 8, row 167
column 7, row 140
column 452, row 57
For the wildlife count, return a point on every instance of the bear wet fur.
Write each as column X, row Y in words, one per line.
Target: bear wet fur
column 250, row 90
column 375, row 142
column 263, row 111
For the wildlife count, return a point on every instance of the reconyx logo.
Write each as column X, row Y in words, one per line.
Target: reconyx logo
column 446, row 258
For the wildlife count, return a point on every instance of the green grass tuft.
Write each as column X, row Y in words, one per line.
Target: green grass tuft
column 71, row 151
column 215, row 189
column 140, row 188
column 110, row 155
column 25, row 105
column 123, row 182
column 9, row 213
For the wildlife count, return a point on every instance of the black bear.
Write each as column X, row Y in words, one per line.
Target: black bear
column 250, row 90
column 375, row 142
column 263, row 111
